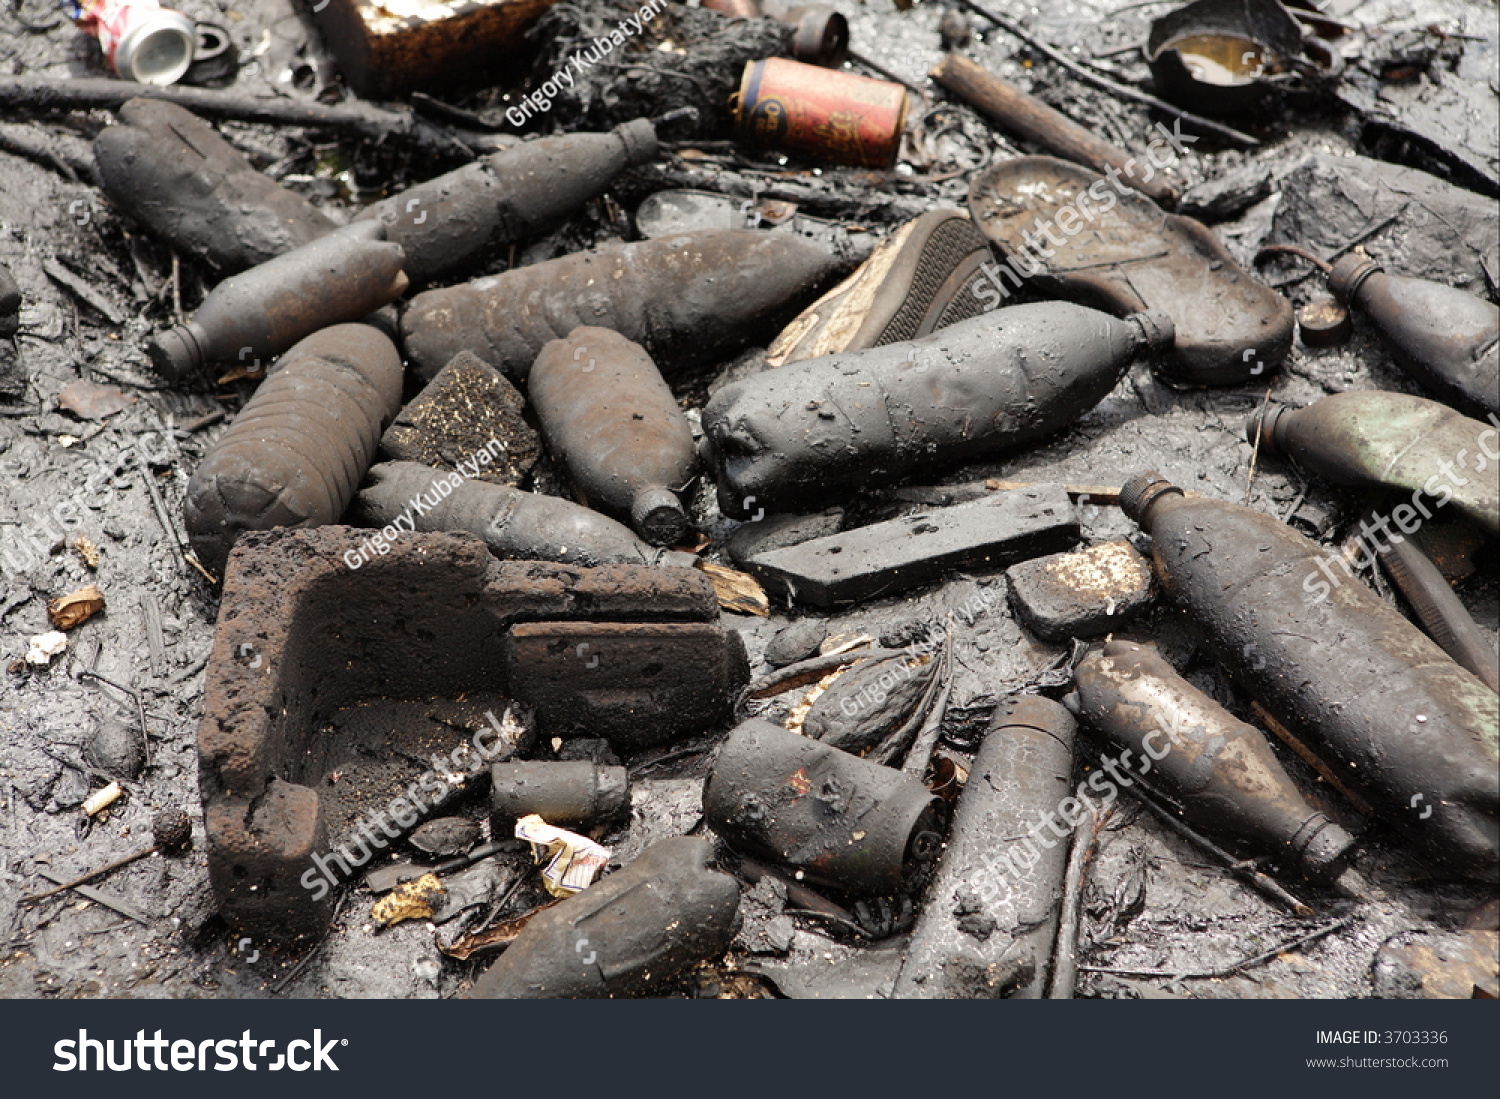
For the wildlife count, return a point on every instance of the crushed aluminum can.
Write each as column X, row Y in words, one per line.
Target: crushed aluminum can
column 141, row 40
column 833, row 115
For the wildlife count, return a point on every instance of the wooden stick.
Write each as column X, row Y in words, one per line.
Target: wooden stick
column 373, row 123
column 90, row 876
column 1244, row 870
column 1229, row 970
column 1097, row 494
column 1064, row 976
column 112, row 903
column 1008, row 106
column 1123, row 91
column 1305, row 753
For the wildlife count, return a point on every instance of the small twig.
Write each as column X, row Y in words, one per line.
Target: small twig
column 83, row 879
column 1123, row 91
column 114, row 904
column 366, row 120
column 1064, row 977
column 292, row 973
column 1255, row 449
column 680, row 753
column 875, row 67
column 836, row 920
column 1293, row 250
column 1230, row 970
column 177, row 287
column 1307, row 756
column 1239, row 867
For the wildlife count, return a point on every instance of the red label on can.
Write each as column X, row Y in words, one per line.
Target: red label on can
column 109, row 20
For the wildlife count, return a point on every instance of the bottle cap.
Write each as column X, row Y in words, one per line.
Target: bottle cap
column 1157, row 328
column 820, row 35
column 611, row 793
column 1141, row 491
column 175, row 353
column 639, row 138
column 1349, row 274
column 1323, row 848
column 658, row 517
column 1324, row 322
column 1266, row 423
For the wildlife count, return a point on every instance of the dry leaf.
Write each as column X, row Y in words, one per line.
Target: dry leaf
column 91, row 401
column 411, row 900
column 85, row 550
column 502, row 934
column 75, row 609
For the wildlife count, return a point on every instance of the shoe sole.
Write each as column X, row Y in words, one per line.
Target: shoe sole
column 918, row 285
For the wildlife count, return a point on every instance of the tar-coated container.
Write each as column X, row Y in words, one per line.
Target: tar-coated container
column 994, row 899
column 689, row 299
column 526, row 526
column 297, row 451
column 1446, row 338
column 606, row 412
column 829, row 114
column 1421, row 449
column 1327, row 658
column 839, row 820
column 172, row 172
column 1222, row 771
column 820, row 35
column 451, row 222
column 251, row 318
column 663, row 913
column 807, row 434
column 567, row 793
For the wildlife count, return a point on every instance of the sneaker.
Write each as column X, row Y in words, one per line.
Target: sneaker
column 914, row 283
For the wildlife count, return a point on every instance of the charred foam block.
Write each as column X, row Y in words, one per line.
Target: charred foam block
column 303, row 637
column 893, row 556
column 633, row 683
column 1081, row 594
column 460, row 412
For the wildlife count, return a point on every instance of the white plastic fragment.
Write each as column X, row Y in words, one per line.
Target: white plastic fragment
column 44, row 646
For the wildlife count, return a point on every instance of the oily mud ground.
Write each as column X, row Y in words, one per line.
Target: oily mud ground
column 1153, row 902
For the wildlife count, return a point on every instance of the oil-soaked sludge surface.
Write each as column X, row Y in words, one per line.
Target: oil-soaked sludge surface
column 1153, row 902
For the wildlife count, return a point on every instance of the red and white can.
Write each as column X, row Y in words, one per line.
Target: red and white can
column 141, row 40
